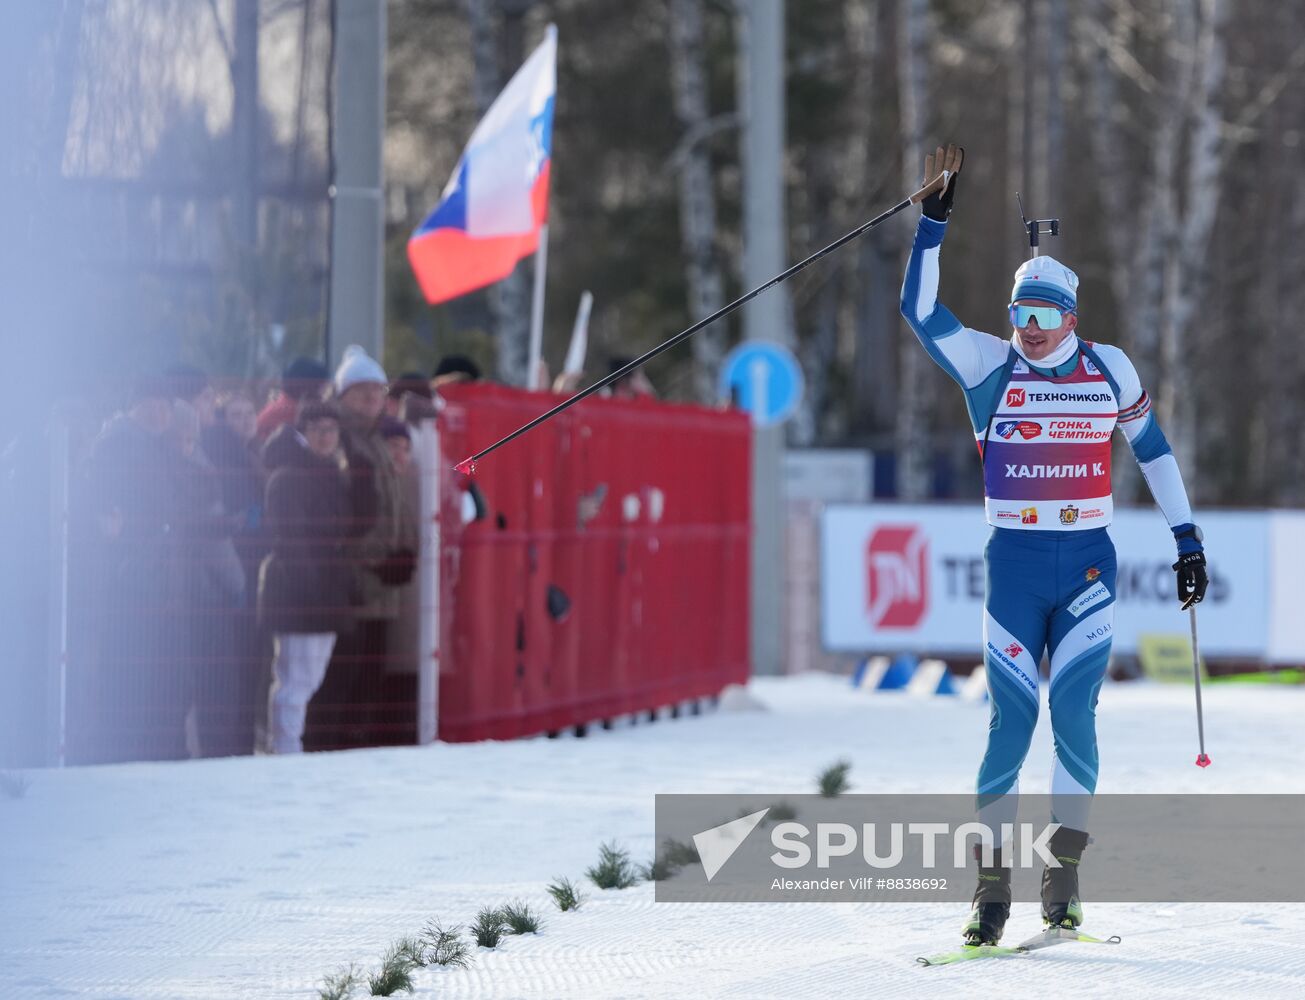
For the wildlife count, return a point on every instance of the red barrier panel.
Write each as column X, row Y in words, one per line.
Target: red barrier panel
column 611, row 573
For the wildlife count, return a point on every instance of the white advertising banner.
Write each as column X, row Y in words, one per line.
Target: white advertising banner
column 898, row 577
column 1286, row 551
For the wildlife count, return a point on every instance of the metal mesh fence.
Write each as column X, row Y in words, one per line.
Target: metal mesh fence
column 164, row 176
column 194, row 543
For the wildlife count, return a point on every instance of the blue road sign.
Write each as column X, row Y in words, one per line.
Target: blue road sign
column 764, row 379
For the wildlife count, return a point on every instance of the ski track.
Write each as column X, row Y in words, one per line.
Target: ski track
column 252, row 877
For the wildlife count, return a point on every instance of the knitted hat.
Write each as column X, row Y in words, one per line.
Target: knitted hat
column 413, row 382
column 312, row 410
column 355, row 367
column 457, row 364
column 304, row 377
column 1047, row 280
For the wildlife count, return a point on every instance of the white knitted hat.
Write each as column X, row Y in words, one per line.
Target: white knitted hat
column 1047, row 280
column 357, row 366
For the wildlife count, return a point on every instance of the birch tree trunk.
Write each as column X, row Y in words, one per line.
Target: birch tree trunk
column 913, row 441
column 1141, row 214
column 871, row 331
column 509, row 299
column 244, row 124
column 1188, row 277
column 1291, row 485
column 1017, row 168
column 1055, row 30
column 1105, row 134
column 819, row 350
column 703, row 276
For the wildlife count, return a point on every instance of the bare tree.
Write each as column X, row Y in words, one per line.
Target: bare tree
column 870, row 326
column 243, row 60
column 913, row 451
column 692, row 161
column 1141, row 206
column 1185, row 280
column 1158, row 225
column 509, row 299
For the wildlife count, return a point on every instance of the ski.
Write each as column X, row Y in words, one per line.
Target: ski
column 1063, row 935
column 967, row 952
column 1051, row 936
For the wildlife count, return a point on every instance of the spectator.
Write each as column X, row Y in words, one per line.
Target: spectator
column 237, row 411
column 202, row 521
column 306, row 586
column 130, row 508
column 384, row 552
column 228, row 700
column 404, row 632
column 635, row 385
column 454, row 369
column 303, row 379
column 191, row 385
column 229, row 445
column 568, row 383
column 212, row 594
column 283, row 444
column 398, row 443
column 409, row 383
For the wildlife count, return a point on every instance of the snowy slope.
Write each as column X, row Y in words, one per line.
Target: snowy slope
column 250, row 878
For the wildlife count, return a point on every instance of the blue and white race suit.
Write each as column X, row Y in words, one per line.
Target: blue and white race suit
column 1044, row 438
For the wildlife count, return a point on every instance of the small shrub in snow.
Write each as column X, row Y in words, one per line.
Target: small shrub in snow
column 658, row 869
column 520, row 917
column 338, row 985
column 489, row 927
column 678, row 854
column 565, row 894
column 14, row 785
column 396, row 970
column 614, row 869
column 780, row 812
column 833, row 779
column 445, row 946
column 413, row 949
column 673, row 856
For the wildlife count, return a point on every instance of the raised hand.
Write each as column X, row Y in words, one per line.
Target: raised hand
column 947, row 164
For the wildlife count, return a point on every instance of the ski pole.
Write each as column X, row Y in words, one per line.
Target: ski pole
column 468, row 465
column 1202, row 759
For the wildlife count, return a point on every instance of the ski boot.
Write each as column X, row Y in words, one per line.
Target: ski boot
column 1060, row 902
column 991, row 905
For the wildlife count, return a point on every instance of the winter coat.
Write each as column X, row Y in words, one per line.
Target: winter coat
column 308, row 582
column 240, row 473
column 129, row 481
column 280, row 412
column 130, row 506
column 241, row 480
column 386, row 529
column 282, row 448
column 203, row 548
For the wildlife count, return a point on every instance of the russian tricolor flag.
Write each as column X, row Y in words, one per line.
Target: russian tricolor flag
column 497, row 199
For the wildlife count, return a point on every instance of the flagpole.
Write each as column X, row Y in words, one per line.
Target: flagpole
column 537, row 312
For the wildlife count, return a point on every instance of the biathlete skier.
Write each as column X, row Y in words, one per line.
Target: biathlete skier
column 1044, row 405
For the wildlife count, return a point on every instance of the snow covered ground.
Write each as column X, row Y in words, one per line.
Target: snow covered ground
column 250, row 878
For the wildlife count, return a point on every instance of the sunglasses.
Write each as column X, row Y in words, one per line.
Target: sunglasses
column 1048, row 317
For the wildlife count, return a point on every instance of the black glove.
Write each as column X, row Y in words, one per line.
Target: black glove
column 397, row 568
column 1192, row 580
column 938, row 205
